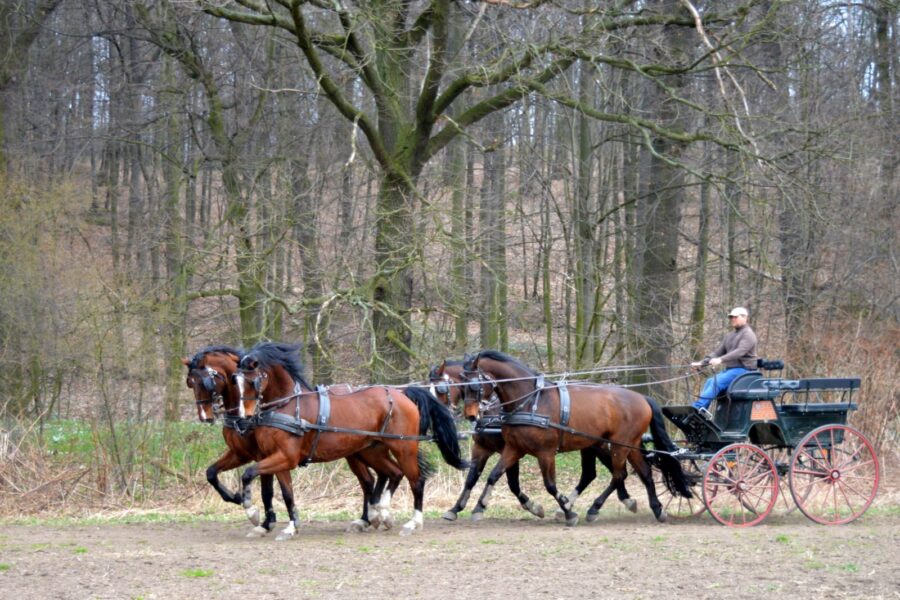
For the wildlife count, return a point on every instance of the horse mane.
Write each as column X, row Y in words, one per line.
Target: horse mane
column 285, row 355
column 221, row 349
column 450, row 363
column 505, row 358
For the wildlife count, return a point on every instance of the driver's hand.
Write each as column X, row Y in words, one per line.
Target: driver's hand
column 715, row 362
column 697, row 364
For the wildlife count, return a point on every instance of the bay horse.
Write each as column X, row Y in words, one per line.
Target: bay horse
column 539, row 423
column 297, row 425
column 447, row 381
column 211, row 376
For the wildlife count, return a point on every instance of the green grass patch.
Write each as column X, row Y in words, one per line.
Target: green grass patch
column 850, row 568
column 782, row 539
column 5, row 567
column 197, row 573
column 80, row 550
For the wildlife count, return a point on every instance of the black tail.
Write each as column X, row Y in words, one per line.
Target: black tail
column 435, row 416
column 673, row 475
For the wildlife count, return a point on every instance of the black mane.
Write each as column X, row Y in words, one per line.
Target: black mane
column 432, row 374
column 504, row 358
column 285, row 355
column 195, row 360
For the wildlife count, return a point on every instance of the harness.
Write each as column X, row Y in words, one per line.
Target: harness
column 296, row 425
column 531, row 418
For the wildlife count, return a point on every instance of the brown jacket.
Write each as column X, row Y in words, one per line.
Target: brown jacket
column 738, row 349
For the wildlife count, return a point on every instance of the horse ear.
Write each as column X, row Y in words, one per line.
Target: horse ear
column 186, row 362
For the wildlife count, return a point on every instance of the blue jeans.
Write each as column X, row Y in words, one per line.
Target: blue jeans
column 716, row 384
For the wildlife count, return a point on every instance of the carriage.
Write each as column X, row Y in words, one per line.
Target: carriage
column 767, row 437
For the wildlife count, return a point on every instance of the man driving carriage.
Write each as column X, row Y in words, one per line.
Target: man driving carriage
column 737, row 351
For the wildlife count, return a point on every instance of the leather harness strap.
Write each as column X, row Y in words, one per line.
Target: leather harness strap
column 321, row 422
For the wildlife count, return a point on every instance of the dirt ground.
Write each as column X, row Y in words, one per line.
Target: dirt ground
column 619, row 556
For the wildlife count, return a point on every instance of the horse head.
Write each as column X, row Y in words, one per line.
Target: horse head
column 210, row 376
column 490, row 372
column 270, row 370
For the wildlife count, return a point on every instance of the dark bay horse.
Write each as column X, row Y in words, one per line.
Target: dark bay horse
column 539, row 423
column 447, row 381
column 211, row 376
column 297, row 424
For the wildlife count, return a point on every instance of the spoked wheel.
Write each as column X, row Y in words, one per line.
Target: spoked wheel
column 834, row 474
column 740, row 485
column 782, row 459
column 677, row 507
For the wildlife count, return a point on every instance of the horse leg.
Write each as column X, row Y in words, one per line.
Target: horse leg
column 287, row 494
column 480, row 456
column 547, row 462
column 229, row 460
column 366, row 482
column 588, row 475
column 508, row 457
column 512, row 479
column 615, row 462
column 271, row 464
column 389, row 476
column 642, row 468
column 407, row 454
column 606, row 458
column 266, row 486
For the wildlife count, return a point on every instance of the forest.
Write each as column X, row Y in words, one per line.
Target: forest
column 396, row 182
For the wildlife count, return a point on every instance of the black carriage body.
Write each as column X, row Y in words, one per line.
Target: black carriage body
column 768, row 412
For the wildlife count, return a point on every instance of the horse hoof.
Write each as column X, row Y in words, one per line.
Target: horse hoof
column 408, row 529
column 258, row 532
column 253, row 515
column 662, row 517
column 590, row 517
column 535, row 509
column 630, row 504
column 358, row 526
column 477, row 516
column 289, row 532
column 449, row 516
column 572, row 521
column 387, row 522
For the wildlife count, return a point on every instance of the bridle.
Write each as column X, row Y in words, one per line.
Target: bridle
column 257, row 382
column 208, row 378
column 475, row 384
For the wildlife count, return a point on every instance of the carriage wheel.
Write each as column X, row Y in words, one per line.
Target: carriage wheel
column 677, row 507
column 782, row 458
column 834, row 474
column 740, row 485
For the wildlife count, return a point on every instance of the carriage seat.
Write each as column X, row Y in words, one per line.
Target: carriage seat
column 732, row 411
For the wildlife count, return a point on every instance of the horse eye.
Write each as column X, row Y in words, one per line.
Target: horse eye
column 234, row 378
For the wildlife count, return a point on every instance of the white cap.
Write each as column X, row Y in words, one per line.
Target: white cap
column 738, row 311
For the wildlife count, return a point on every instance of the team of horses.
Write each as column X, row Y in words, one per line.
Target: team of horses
column 275, row 420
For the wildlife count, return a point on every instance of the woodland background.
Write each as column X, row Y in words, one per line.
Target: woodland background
column 395, row 182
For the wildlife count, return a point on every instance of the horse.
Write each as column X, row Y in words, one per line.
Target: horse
column 297, row 425
column 446, row 381
column 543, row 421
column 211, row 376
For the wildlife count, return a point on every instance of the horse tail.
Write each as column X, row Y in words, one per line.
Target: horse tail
column 673, row 475
column 435, row 416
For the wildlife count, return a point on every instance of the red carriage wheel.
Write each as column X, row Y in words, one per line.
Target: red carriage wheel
column 782, row 456
column 740, row 485
column 677, row 507
column 834, row 474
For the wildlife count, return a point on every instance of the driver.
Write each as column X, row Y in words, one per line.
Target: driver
column 737, row 351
